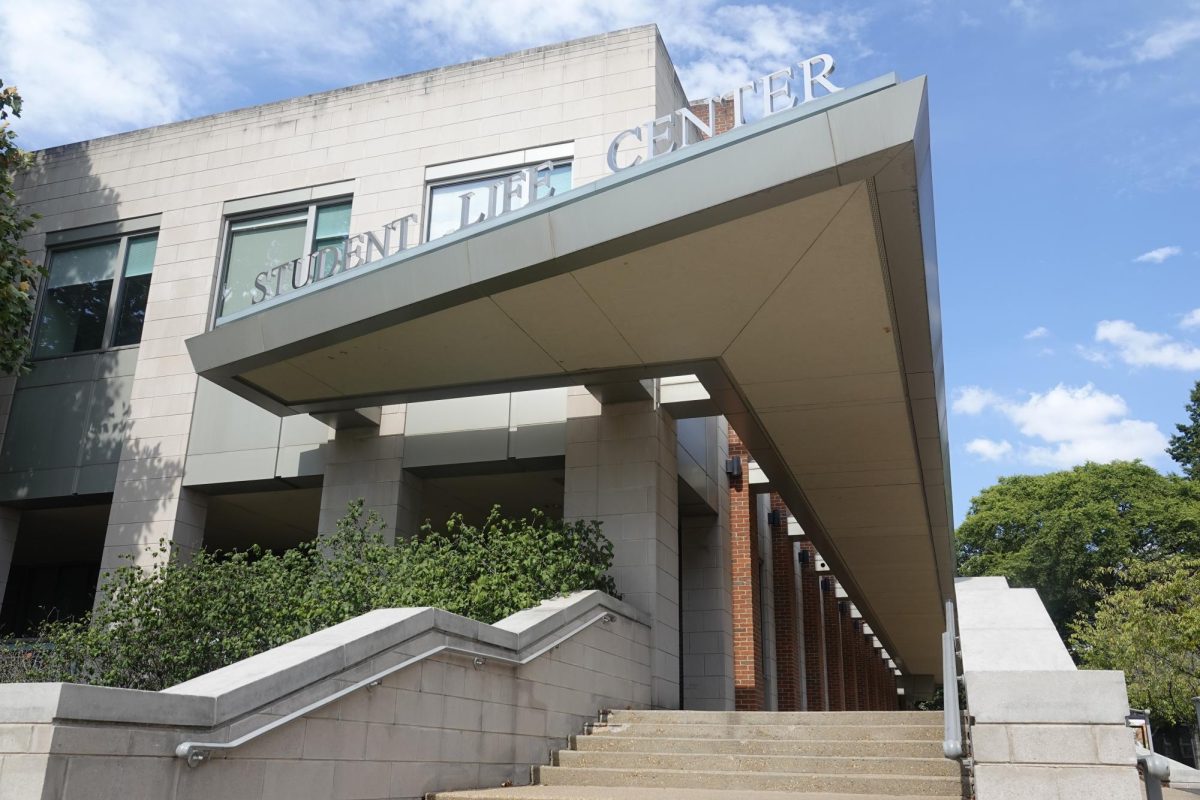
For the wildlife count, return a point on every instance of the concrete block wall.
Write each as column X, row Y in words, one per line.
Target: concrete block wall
column 707, row 613
column 444, row 723
column 1041, row 728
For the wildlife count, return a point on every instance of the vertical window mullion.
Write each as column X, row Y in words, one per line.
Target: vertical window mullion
column 310, row 233
column 118, row 282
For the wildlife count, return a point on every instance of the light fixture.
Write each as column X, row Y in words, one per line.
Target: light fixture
column 733, row 467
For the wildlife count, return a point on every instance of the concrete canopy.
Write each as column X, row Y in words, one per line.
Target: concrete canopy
column 790, row 264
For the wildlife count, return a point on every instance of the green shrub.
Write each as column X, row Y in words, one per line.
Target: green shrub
column 179, row 619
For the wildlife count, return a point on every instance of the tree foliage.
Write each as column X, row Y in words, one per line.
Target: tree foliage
column 18, row 274
column 158, row 627
column 1184, row 447
column 1149, row 627
column 1070, row 534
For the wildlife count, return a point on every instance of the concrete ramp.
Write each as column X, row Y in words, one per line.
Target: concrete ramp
column 1040, row 727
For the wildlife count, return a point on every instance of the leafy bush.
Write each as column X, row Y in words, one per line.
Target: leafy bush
column 1149, row 627
column 179, row 619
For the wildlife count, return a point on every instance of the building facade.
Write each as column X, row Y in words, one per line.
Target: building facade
column 748, row 395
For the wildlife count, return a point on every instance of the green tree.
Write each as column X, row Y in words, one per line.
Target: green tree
column 1070, row 534
column 158, row 627
column 18, row 274
column 1149, row 627
column 1184, row 447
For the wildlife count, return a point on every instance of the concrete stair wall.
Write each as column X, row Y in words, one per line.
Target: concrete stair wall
column 712, row 755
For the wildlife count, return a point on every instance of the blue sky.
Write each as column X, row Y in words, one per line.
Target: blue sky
column 1066, row 159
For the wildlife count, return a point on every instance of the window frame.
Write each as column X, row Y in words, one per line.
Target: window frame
column 226, row 244
column 470, row 177
column 67, row 243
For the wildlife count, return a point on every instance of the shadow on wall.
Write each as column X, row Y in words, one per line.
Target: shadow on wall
column 64, row 426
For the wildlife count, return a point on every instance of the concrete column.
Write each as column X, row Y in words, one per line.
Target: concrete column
column 816, row 675
column 707, row 613
column 149, row 502
column 362, row 464
column 849, row 656
column 10, row 521
column 766, row 601
column 621, row 469
column 833, row 644
column 787, row 633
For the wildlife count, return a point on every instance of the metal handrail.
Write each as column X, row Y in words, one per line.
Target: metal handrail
column 1156, row 770
column 197, row 753
column 952, row 740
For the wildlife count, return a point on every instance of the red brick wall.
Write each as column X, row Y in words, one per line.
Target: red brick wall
column 749, row 689
column 724, row 111
column 787, row 633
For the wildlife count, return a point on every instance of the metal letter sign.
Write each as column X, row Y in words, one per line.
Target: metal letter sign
column 658, row 137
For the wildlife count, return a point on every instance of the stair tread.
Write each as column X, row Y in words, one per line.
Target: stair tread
column 779, row 756
column 640, row 793
column 629, row 770
column 751, row 739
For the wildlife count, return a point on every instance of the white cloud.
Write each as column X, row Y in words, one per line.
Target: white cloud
column 1083, row 424
column 1031, row 12
column 1140, row 348
column 1040, row 332
column 1167, row 40
column 1094, row 356
column 1162, row 42
column 1159, row 255
column 1190, row 319
column 972, row 400
column 1068, row 425
column 86, row 68
column 989, row 449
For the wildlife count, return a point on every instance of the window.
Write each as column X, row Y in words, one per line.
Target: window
column 484, row 196
column 268, row 251
column 95, row 296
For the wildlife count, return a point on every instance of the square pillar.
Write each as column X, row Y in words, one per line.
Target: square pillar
column 832, row 626
column 621, row 470
column 362, row 464
column 707, row 613
column 816, row 682
column 787, row 630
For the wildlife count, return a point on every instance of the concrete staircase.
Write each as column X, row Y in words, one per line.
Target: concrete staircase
column 747, row 755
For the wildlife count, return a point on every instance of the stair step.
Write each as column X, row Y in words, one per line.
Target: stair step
column 918, row 785
column 766, row 747
column 925, row 733
column 640, row 793
column 778, row 717
column 759, row 763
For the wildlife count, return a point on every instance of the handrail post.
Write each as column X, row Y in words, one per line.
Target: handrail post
column 1155, row 769
column 952, row 741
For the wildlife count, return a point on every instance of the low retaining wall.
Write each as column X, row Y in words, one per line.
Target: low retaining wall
column 443, row 723
column 1041, row 728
